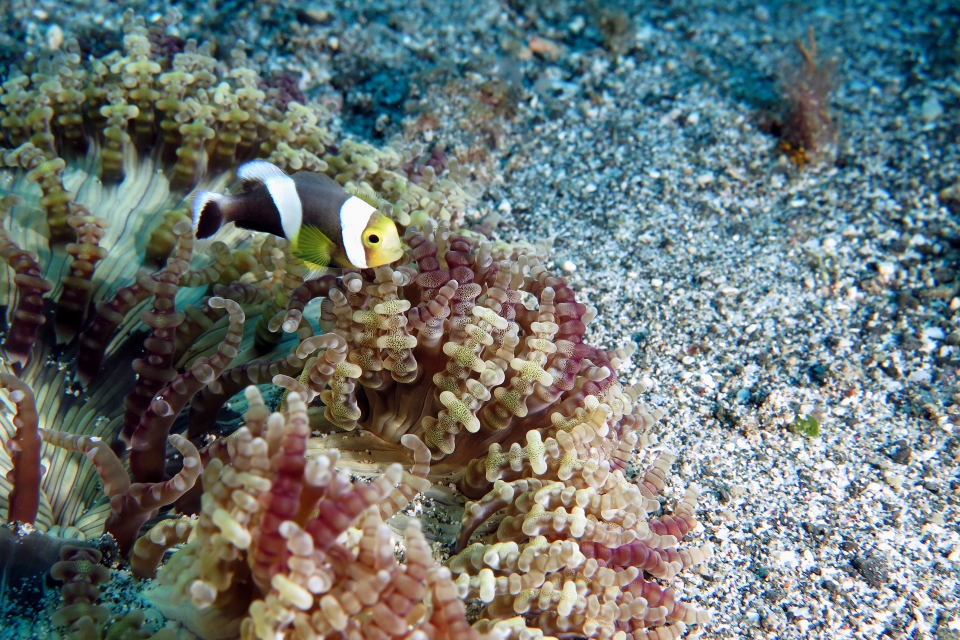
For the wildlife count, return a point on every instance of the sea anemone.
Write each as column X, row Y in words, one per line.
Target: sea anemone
column 99, row 162
column 459, row 372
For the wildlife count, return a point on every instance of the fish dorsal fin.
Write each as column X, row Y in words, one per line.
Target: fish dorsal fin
column 312, row 248
column 313, row 176
column 256, row 173
column 372, row 198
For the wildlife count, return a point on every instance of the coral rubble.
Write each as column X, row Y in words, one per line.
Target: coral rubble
column 462, row 364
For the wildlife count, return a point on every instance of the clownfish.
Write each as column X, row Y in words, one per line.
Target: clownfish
column 324, row 224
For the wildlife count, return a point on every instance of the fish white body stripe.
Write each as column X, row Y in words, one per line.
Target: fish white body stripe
column 354, row 217
column 283, row 192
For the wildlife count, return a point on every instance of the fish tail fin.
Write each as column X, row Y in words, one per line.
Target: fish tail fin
column 207, row 214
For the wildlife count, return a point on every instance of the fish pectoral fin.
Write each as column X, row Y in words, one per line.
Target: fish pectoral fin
column 313, row 274
column 312, row 247
column 305, row 270
column 255, row 173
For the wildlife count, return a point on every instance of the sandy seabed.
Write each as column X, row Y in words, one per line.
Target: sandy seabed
column 760, row 295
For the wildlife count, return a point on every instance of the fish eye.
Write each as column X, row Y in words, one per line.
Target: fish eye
column 373, row 238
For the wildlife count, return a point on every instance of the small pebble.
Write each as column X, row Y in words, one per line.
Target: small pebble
column 873, row 569
column 944, row 275
column 316, row 16
column 568, row 266
column 931, row 109
column 544, row 47
column 54, row 37
column 901, row 452
column 907, row 300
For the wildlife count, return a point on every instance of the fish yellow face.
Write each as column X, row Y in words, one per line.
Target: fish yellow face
column 381, row 241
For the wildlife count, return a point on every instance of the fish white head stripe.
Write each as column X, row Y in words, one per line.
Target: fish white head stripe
column 354, row 217
column 283, row 192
